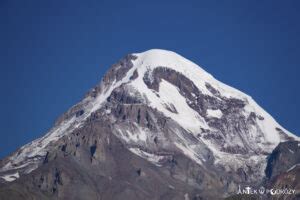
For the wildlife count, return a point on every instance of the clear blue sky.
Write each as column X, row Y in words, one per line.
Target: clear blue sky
column 52, row 52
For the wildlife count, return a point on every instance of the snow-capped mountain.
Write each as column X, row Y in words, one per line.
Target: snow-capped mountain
column 165, row 111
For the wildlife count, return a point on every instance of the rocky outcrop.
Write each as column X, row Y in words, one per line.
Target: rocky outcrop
column 284, row 157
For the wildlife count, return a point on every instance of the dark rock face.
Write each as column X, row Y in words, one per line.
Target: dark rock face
column 283, row 157
column 115, row 73
column 288, row 179
column 119, row 70
column 282, row 173
column 113, row 173
column 120, row 96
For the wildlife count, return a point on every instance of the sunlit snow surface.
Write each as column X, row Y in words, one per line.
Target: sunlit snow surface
column 30, row 155
column 10, row 177
column 214, row 113
column 187, row 117
column 155, row 159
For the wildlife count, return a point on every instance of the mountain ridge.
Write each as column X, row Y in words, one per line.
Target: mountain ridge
column 160, row 106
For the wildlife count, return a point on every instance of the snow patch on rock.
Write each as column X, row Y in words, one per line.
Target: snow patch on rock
column 214, row 113
column 293, row 167
column 11, row 177
column 153, row 158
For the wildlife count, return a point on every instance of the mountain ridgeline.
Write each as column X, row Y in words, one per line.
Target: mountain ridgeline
column 157, row 126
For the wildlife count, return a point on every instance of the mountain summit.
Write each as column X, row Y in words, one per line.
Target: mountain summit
column 156, row 127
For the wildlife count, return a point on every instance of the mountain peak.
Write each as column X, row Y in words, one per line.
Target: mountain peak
column 158, row 101
column 155, row 54
column 159, row 56
column 165, row 58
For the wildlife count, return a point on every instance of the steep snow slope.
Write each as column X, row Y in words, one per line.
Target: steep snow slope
column 156, row 58
column 267, row 134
